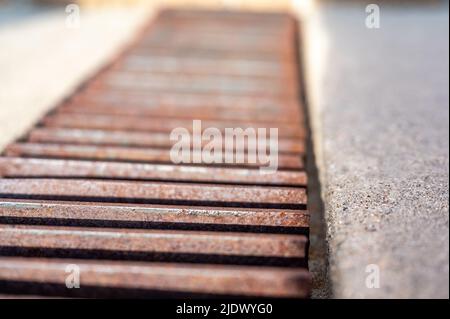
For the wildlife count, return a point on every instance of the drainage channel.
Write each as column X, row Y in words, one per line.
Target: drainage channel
column 95, row 186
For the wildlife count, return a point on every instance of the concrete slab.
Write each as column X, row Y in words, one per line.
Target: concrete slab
column 379, row 108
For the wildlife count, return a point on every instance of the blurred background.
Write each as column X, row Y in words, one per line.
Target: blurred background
column 44, row 55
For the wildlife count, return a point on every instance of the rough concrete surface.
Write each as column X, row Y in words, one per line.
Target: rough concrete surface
column 380, row 118
column 42, row 60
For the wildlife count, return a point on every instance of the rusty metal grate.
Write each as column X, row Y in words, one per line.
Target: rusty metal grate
column 93, row 184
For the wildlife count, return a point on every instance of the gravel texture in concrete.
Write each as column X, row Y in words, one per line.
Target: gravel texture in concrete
column 379, row 105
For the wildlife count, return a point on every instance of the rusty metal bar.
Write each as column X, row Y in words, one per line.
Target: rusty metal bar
column 153, row 124
column 196, row 112
column 167, row 103
column 122, row 80
column 191, row 51
column 19, row 167
column 272, row 19
column 154, row 191
column 154, row 241
column 189, row 278
column 151, row 139
column 152, row 215
column 186, row 101
column 210, row 27
column 195, row 66
column 95, row 152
